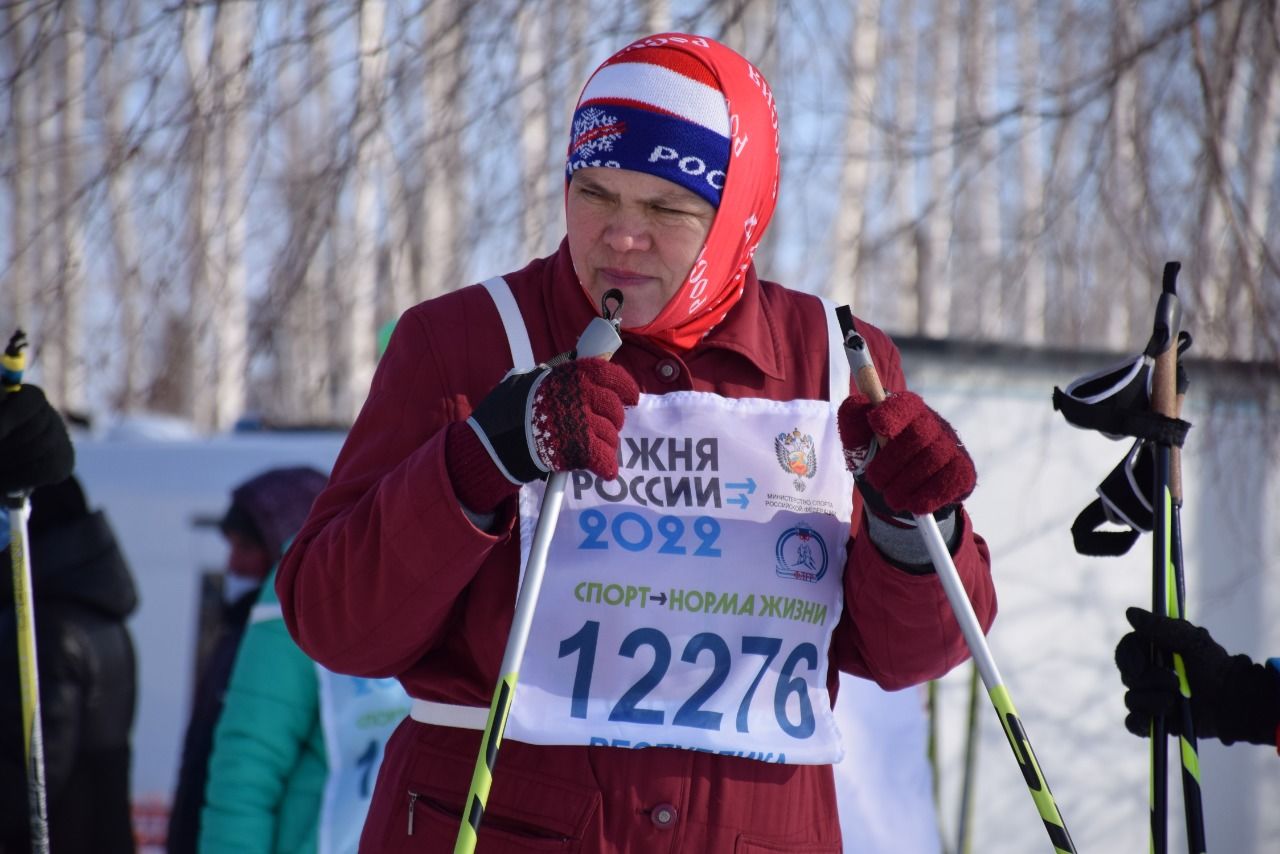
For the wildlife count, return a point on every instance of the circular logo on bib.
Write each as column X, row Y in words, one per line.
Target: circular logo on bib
column 801, row 555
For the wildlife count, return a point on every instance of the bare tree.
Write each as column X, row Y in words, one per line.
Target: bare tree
column 849, row 237
column 356, row 292
column 272, row 187
column 934, row 234
column 1026, row 254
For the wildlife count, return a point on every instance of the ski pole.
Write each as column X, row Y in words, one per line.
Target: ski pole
column 868, row 382
column 12, row 364
column 599, row 339
column 1168, row 585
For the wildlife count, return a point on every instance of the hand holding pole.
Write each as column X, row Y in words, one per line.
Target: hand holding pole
column 12, row 365
column 599, row 340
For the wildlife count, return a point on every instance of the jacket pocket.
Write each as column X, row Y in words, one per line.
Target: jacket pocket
column 433, row 820
column 528, row 810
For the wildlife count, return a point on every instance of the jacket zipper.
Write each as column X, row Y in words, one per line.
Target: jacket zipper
column 413, row 799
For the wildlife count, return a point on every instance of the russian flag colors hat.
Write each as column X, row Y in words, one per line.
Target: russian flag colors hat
column 654, row 110
column 690, row 110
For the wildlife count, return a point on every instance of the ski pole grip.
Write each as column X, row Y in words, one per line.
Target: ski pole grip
column 1163, row 347
column 600, row 339
column 1164, row 373
column 859, row 356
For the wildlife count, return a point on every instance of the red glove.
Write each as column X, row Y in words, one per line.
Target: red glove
column 577, row 413
column 533, row 423
column 921, row 468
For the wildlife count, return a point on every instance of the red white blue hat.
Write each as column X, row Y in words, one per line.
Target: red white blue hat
column 656, row 110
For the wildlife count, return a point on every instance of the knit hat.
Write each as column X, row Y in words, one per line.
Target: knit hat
column 655, row 110
column 271, row 507
column 690, row 110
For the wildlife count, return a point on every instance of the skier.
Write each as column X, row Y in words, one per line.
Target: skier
column 677, row 686
column 84, row 593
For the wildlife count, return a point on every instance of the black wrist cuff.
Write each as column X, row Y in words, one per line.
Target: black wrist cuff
column 501, row 422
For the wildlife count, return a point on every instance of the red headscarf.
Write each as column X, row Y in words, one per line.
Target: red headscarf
column 747, row 201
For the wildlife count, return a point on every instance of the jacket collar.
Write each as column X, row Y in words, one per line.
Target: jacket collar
column 749, row 330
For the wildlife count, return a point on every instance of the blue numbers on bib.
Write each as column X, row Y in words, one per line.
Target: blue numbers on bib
column 693, row 712
column 634, row 532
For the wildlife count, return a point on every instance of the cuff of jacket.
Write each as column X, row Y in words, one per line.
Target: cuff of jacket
column 900, row 543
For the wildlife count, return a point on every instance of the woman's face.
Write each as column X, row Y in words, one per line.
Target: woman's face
column 635, row 232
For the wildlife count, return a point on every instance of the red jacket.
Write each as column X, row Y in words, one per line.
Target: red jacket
column 389, row 578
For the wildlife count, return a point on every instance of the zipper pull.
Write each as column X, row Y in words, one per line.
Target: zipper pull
column 413, row 798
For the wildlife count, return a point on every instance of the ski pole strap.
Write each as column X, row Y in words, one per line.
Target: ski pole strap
column 1123, row 500
column 1116, row 422
column 1116, row 401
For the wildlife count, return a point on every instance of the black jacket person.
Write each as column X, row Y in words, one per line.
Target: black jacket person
column 83, row 593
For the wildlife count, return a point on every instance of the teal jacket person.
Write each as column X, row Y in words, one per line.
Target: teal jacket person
column 296, row 749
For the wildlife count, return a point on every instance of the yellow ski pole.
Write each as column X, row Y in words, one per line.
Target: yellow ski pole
column 12, row 364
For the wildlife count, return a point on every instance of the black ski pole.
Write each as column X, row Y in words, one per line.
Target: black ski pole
column 12, row 364
column 1168, row 592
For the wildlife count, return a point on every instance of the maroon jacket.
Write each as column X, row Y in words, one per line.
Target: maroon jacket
column 389, row 578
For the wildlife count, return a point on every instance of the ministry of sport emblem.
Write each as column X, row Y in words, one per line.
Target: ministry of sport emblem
column 796, row 455
column 801, row 555
column 594, row 131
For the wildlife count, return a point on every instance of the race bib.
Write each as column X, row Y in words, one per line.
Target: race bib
column 690, row 602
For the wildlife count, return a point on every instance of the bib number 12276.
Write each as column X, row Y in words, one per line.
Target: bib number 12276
column 695, row 711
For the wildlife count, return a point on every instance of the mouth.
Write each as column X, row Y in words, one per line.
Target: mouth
column 622, row 278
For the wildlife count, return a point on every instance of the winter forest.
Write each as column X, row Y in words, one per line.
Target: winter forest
column 210, row 207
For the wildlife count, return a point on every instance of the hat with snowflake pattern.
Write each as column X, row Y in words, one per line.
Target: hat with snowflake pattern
column 657, row 110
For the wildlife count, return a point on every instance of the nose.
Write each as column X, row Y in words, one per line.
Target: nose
column 627, row 231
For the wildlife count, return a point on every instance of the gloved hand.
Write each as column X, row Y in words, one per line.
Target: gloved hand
column 35, row 449
column 536, row 422
column 1232, row 698
column 922, row 466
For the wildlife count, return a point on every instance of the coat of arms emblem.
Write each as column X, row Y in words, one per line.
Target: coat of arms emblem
column 796, row 455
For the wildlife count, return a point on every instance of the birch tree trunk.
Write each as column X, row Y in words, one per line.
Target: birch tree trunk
column 300, row 390
column 196, row 353
column 533, row 129
column 854, row 197
column 981, row 310
column 752, row 29
column 47, row 351
column 71, row 279
column 1258, row 261
column 231, row 320
column 934, row 240
column 113, row 84
column 358, row 290
column 444, row 217
column 16, row 300
column 1033, row 301
column 657, row 17
column 904, row 260
column 1063, row 316
column 1221, row 123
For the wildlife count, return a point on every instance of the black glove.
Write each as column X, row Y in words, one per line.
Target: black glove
column 1232, row 698
column 35, row 449
column 549, row 419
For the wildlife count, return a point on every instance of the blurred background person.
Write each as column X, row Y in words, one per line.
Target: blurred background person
column 297, row 748
column 264, row 513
